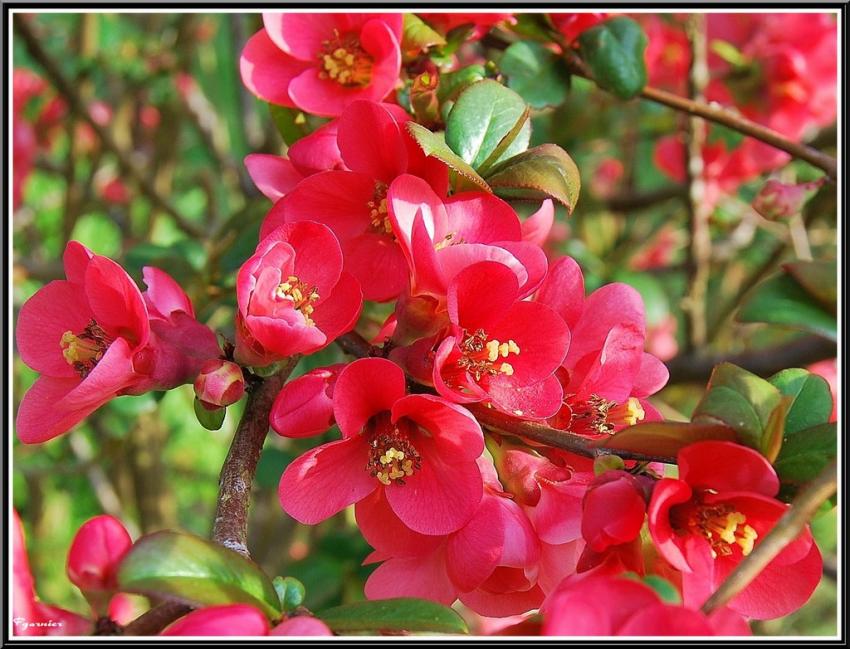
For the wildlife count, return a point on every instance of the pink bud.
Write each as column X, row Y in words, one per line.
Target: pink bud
column 219, row 384
column 305, row 405
column 778, row 200
column 95, row 553
column 614, row 508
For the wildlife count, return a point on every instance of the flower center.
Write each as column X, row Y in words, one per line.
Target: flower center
column 345, row 61
column 599, row 416
column 722, row 526
column 392, row 457
column 300, row 294
column 84, row 350
column 480, row 356
column 378, row 213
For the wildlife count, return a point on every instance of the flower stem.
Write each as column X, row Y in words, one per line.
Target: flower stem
column 804, row 507
column 230, row 527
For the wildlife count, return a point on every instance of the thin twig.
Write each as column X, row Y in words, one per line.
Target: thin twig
column 230, row 527
column 80, row 108
column 788, row 528
column 156, row 619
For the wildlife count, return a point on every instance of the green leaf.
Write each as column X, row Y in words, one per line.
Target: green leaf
column 811, row 398
column 209, row 419
column 605, row 463
column 665, row 438
column 433, row 144
column 748, row 404
column 290, row 592
column 536, row 73
column 664, row 589
column 290, row 123
column 613, row 50
column 818, row 278
column 546, row 171
column 483, row 115
column 805, row 453
column 401, row 614
column 190, row 569
column 417, row 36
column 781, row 300
column 453, row 83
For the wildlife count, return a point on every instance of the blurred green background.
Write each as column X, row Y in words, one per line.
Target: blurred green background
column 175, row 106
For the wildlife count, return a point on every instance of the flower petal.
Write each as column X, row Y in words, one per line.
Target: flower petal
column 267, row 71
column 365, row 388
column 273, row 175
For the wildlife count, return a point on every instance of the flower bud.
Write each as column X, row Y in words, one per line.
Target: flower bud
column 95, row 553
column 613, row 510
column 778, row 200
column 219, row 384
column 304, row 406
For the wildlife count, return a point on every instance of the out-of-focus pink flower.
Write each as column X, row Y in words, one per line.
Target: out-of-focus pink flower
column 661, row 338
column 91, row 337
column 828, row 369
column 572, row 25
column 481, row 23
column 96, row 552
column 29, row 615
column 659, row 252
column 376, row 149
column 706, row 521
column 777, row 200
column 149, row 117
column 304, row 407
column 499, row 349
column 617, row 606
column 320, row 63
column 606, row 375
column 606, row 177
column 219, row 384
column 113, row 190
column 668, row 53
column 419, row 450
column 294, row 297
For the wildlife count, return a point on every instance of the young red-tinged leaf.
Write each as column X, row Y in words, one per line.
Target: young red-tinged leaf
column 811, row 403
column 433, row 144
column 665, row 438
column 418, row 37
column 400, row 614
column 484, row 115
column 190, row 569
column 546, row 171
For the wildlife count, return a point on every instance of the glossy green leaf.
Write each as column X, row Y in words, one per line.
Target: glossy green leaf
column 781, row 300
column 748, row 404
column 401, row 614
column 290, row 592
column 453, row 83
column 433, row 144
column 483, row 115
column 536, row 73
column 190, row 569
column 811, row 398
column 613, row 50
column 664, row 589
column 417, row 36
column 209, row 419
column 546, row 171
column 665, row 438
column 805, row 453
column 818, row 278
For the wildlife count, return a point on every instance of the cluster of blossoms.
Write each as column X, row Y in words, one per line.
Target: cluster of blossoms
column 482, row 321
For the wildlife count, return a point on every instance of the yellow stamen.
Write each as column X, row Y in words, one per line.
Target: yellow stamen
column 345, row 61
column 301, row 296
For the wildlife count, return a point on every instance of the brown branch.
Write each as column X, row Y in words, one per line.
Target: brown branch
column 498, row 422
column 635, row 201
column 788, row 528
column 696, row 368
column 230, row 527
column 156, row 619
column 80, row 108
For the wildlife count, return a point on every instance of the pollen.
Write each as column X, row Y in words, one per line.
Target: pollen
column 345, row 61
column 480, row 355
column 392, row 457
column 599, row 416
column 378, row 212
column 300, row 294
column 84, row 350
column 724, row 528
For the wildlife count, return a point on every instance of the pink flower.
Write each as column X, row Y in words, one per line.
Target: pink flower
column 613, row 510
column 668, row 53
column 241, row 620
column 320, row 63
column 616, row 606
column 480, row 22
column 606, row 375
column 96, row 552
column 777, row 200
column 418, row 450
column 376, row 149
column 30, row 616
column 294, row 297
column 92, row 337
column 706, row 521
column 304, row 407
column 489, row 563
column 572, row 25
column 219, row 384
